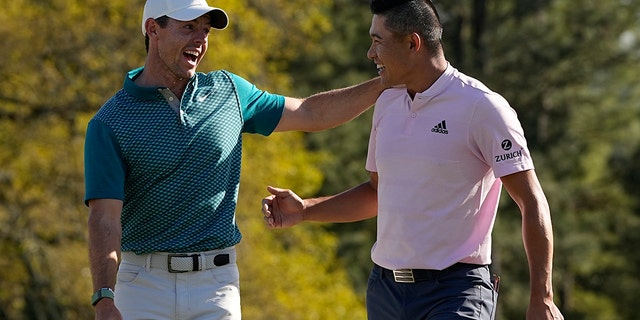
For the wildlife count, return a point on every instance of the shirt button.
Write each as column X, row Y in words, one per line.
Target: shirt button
column 170, row 98
column 413, row 115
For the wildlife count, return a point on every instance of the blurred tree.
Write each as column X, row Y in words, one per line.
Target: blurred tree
column 569, row 80
column 293, row 273
column 49, row 80
column 340, row 59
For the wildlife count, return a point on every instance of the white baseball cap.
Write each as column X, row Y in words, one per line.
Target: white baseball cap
column 183, row 10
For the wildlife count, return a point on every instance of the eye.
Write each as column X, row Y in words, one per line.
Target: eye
column 189, row 26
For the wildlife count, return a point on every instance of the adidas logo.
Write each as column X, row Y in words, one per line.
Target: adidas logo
column 441, row 128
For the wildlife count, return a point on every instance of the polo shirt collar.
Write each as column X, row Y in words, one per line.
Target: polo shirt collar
column 440, row 85
column 145, row 93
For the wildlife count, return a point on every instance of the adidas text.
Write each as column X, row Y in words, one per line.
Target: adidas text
column 438, row 130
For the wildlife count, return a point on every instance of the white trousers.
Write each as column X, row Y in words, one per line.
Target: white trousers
column 143, row 292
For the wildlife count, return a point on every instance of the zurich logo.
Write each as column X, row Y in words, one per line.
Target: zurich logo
column 506, row 145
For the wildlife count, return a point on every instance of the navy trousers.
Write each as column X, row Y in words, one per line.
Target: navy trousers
column 462, row 291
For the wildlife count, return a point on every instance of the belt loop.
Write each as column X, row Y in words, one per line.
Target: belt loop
column 196, row 264
column 203, row 262
column 148, row 264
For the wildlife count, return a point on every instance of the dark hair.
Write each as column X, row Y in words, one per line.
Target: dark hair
column 162, row 22
column 404, row 17
column 380, row 6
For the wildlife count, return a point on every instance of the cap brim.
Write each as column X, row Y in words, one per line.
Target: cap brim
column 219, row 18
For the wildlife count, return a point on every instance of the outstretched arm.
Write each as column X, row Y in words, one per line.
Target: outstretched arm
column 283, row 208
column 537, row 235
column 329, row 109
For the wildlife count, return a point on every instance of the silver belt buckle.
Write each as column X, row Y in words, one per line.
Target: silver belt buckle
column 177, row 255
column 403, row 276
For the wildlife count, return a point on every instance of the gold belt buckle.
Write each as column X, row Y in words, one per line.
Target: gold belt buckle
column 403, row 276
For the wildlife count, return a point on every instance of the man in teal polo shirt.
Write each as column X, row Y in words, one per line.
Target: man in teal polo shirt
column 162, row 169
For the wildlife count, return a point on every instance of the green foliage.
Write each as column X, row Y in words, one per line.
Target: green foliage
column 294, row 271
column 42, row 227
column 58, row 65
column 571, row 85
column 341, row 62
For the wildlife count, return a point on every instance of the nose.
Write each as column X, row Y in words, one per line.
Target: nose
column 371, row 53
column 201, row 37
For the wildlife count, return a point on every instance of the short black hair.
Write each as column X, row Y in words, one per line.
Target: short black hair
column 404, row 17
column 380, row 6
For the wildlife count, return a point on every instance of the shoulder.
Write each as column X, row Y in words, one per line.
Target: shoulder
column 390, row 97
column 113, row 107
column 218, row 76
column 226, row 79
column 474, row 88
column 478, row 95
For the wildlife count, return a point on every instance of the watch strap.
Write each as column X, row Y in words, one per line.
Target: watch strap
column 101, row 294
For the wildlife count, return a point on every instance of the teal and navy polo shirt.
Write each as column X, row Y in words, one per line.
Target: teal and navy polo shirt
column 176, row 164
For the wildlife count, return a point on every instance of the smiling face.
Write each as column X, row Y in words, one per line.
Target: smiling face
column 389, row 52
column 179, row 47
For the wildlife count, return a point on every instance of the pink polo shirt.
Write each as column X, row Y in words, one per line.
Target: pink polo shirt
column 439, row 158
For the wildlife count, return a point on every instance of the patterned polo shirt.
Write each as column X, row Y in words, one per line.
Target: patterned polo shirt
column 176, row 164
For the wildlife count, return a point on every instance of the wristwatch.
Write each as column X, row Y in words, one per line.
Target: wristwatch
column 100, row 294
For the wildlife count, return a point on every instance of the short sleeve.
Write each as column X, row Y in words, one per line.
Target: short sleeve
column 104, row 168
column 261, row 110
column 499, row 137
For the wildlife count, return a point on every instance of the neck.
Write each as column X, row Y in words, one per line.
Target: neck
column 153, row 78
column 427, row 75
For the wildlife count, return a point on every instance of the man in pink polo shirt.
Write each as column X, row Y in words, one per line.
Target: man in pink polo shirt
column 441, row 147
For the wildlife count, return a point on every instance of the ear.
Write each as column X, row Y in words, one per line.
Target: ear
column 151, row 27
column 415, row 42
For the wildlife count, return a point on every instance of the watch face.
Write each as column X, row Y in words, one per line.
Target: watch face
column 100, row 294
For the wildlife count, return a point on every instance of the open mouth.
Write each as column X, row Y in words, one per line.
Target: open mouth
column 192, row 56
column 379, row 67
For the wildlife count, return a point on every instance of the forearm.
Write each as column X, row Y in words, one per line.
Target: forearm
column 329, row 109
column 104, row 249
column 358, row 203
column 537, row 233
column 335, row 107
column 538, row 241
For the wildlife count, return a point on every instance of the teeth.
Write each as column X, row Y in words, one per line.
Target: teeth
column 193, row 53
column 380, row 67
